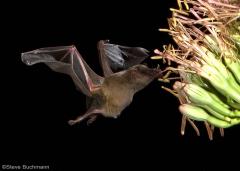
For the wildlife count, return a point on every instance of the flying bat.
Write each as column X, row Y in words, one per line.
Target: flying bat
column 108, row 95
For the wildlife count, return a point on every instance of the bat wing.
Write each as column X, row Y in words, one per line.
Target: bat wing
column 67, row 60
column 114, row 58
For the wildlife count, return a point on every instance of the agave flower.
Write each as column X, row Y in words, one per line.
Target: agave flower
column 207, row 35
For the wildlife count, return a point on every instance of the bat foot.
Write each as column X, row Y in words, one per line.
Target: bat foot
column 91, row 120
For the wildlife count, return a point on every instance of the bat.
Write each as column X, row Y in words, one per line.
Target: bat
column 108, row 95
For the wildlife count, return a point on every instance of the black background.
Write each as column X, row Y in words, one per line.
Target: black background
column 37, row 103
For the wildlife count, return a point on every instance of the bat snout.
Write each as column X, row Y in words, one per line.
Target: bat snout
column 158, row 72
column 154, row 72
column 150, row 72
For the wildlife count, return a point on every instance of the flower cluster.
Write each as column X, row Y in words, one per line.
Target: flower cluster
column 207, row 35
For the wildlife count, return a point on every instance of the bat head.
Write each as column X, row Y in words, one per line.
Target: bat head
column 141, row 75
